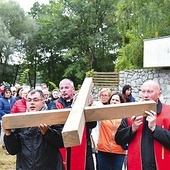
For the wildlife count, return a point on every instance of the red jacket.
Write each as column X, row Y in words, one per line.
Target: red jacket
column 162, row 154
column 19, row 106
column 77, row 157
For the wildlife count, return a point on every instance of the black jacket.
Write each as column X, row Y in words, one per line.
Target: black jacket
column 34, row 150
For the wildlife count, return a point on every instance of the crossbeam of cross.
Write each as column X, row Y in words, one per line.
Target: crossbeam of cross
column 74, row 118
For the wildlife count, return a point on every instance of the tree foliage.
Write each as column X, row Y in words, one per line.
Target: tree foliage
column 139, row 20
column 77, row 36
column 15, row 30
column 67, row 38
column 23, row 77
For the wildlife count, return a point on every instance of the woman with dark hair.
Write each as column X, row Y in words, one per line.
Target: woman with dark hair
column 6, row 102
column 110, row 155
column 127, row 93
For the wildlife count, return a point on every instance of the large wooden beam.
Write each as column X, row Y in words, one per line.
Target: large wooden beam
column 92, row 113
column 32, row 119
column 75, row 123
column 118, row 111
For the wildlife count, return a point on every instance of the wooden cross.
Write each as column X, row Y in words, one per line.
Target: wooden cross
column 75, row 118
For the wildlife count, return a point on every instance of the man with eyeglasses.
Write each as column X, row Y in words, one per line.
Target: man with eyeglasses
column 35, row 147
column 148, row 137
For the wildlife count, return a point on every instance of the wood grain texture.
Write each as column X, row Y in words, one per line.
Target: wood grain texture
column 118, row 111
column 75, row 123
column 74, row 129
column 31, row 119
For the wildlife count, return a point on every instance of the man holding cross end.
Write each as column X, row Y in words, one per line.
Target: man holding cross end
column 76, row 118
column 148, row 138
column 36, row 147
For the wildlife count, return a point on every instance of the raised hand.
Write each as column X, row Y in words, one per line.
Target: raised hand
column 151, row 118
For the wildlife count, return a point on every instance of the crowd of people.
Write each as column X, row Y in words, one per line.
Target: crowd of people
column 141, row 143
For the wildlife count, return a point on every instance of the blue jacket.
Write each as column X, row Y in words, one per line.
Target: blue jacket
column 5, row 106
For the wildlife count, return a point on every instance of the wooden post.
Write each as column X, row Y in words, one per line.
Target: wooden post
column 74, row 126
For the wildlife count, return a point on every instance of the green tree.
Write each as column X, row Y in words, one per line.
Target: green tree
column 95, row 35
column 15, row 29
column 49, row 41
column 139, row 20
column 75, row 37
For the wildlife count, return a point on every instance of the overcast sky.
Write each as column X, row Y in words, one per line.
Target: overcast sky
column 27, row 4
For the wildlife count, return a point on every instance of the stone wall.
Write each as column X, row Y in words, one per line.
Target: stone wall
column 136, row 78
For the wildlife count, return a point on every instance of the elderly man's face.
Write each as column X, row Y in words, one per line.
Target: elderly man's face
column 67, row 90
column 34, row 102
column 150, row 91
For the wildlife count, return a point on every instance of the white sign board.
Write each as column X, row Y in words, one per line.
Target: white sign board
column 157, row 52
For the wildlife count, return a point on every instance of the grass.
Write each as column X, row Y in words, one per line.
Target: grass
column 7, row 162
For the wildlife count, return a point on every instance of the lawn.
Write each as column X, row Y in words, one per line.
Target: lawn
column 7, row 162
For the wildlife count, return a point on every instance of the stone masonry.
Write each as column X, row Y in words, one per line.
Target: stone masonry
column 135, row 78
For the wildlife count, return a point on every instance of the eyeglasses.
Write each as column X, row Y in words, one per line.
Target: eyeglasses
column 104, row 95
column 33, row 100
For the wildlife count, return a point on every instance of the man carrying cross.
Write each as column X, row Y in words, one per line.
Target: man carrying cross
column 35, row 147
column 148, row 138
column 77, row 117
column 77, row 157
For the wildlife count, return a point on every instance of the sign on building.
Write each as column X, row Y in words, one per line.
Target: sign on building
column 157, row 52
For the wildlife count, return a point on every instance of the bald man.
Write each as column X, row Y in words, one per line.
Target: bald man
column 148, row 137
column 78, row 157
